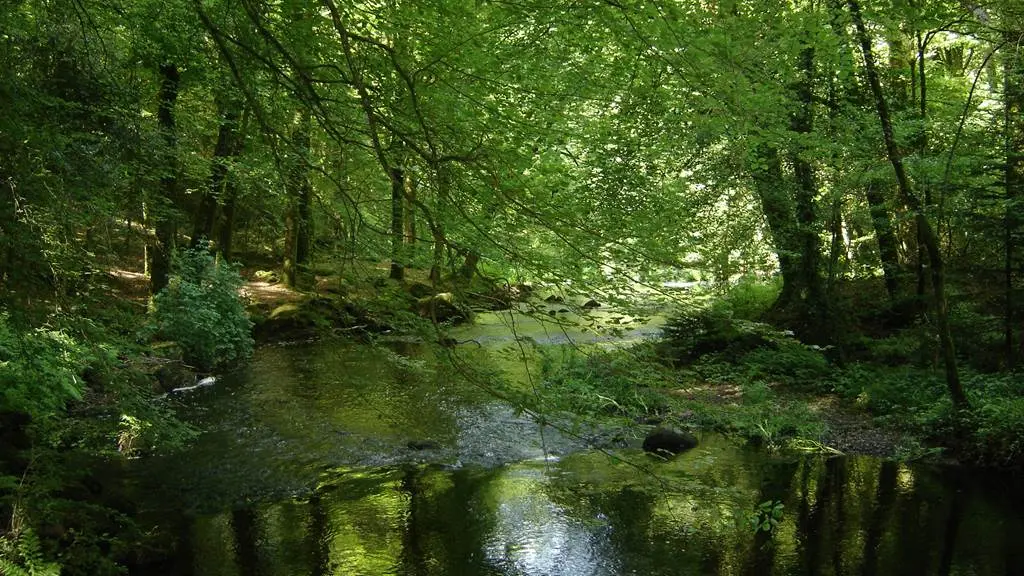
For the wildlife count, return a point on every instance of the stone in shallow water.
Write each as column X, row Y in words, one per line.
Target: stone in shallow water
column 663, row 440
column 422, row 445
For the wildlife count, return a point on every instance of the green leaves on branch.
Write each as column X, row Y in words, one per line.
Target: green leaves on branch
column 202, row 311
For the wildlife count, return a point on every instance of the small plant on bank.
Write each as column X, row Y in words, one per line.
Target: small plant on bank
column 767, row 516
column 202, row 311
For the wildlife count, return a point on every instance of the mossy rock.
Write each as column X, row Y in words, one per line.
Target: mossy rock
column 443, row 307
column 313, row 317
column 420, row 290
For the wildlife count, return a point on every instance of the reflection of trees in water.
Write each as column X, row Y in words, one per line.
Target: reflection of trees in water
column 448, row 521
column 247, row 540
column 843, row 516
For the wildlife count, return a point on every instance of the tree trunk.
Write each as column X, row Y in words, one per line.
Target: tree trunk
column 808, row 241
column 881, row 219
column 468, row 268
column 778, row 211
column 209, row 204
column 410, row 211
column 397, row 223
column 928, row 235
column 166, row 218
column 888, row 244
column 1014, row 182
column 298, row 219
column 304, row 198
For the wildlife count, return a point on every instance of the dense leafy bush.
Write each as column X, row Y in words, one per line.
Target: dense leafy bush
column 39, row 369
column 202, row 311
column 999, row 433
column 750, row 298
column 788, row 362
column 688, row 336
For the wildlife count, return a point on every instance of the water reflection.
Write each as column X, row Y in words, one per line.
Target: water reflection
column 587, row 514
column 304, row 469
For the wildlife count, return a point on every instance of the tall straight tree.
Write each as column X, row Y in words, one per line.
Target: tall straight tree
column 166, row 217
column 1013, row 110
column 927, row 232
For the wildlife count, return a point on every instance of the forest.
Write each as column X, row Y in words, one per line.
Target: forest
column 802, row 204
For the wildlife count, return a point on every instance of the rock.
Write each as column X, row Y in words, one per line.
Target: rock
column 441, row 308
column 522, row 290
column 668, row 441
column 591, row 304
column 171, row 375
column 421, row 290
column 422, row 445
column 554, row 298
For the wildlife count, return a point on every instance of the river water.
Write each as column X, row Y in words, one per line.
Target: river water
column 346, row 459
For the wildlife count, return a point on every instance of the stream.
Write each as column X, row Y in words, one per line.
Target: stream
column 339, row 458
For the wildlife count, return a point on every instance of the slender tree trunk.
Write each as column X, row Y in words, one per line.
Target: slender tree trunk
column 410, row 212
column 928, row 235
column 288, row 266
column 304, row 197
column 888, row 243
column 393, row 173
column 397, row 223
column 298, row 219
column 166, row 220
column 226, row 230
column 1014, row 182
column 881, row 219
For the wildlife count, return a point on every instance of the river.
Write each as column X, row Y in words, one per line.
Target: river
column 337, row 458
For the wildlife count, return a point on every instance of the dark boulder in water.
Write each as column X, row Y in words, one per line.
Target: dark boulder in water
column 422, row 445
column 668, row 441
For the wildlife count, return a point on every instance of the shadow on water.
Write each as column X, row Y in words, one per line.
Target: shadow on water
column 305, row 468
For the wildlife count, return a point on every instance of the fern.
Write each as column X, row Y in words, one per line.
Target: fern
column 22, row 555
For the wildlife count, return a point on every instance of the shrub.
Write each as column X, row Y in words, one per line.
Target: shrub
column 202, row 311
column 610, row 383
column 999, row 436
column 750, row 298
column 39, row 369
column 790, row 363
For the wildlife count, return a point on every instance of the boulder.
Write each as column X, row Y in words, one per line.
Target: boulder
column 668, row 441
column 591, row 304
column 421, row 290
column 422, row 445
column 441, row 307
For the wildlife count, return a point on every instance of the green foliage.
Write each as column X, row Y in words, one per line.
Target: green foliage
column 202, row 311
column 979, row 337
column 750, row 298
column 610, row 383
column 690, row 335
column 790, row 362
column 21, row 554
column 905, row 393
column 767, row 516
column 39, row 369
column 997, row 420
